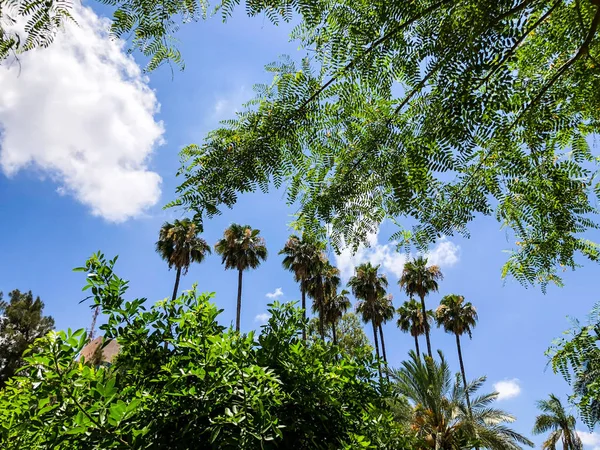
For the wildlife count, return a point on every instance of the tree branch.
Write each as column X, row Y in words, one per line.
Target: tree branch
column 373, row 46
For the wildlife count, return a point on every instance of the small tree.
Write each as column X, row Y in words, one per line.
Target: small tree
column 21, row 323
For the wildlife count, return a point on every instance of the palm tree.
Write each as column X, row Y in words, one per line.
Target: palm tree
column 302, row 257
column 322, row 285
column 335, row 307
column 179, row 244
column 386, row 312
column 410, row 320
column 419, row 279
column 241, row 249
column 368, row 286
column 441, row 417
column 554, row 418
column 457, row 318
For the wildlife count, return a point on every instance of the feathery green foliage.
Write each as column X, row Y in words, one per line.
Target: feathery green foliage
column 554, row 418
column 438, row 111
column 441, row 416
column 210, row 388
column 577, row 358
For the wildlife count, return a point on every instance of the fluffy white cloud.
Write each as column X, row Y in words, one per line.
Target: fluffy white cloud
column 445, row 253
column 262, row 318
column 590, row 440
column 507, row 388
column 81, row 112
column 276, row 294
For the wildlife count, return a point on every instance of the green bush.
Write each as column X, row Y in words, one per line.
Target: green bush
column 182, row 381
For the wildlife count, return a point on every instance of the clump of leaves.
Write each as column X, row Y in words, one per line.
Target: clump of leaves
column 577, row 358
column 208, row 388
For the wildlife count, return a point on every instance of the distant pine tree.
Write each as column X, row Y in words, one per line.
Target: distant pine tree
column 21, row 323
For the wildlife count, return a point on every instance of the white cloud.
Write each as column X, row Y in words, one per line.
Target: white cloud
column 507, row 388
column 81, row 112
column 445, row 254
column 276, row 294
column 590, row 440
column 262, row 318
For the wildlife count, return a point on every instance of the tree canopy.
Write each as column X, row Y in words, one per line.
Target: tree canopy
column 21, row 323
column 431, row 111
column 210, row 388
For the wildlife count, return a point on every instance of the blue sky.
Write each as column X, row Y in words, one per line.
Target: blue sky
column 64, row 197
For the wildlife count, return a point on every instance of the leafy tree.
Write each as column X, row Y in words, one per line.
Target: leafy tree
column 457, row 318
column 410, row 320
column 21, row 323
column 382, row 121
column 351, row 337
column 241, row 249
column 419, row 279
column 210, row 388
column 303, row 257
column 322, row 286
column 555, row 418
column 334, row 309
column 441, row 416
column 577, row 359
column 368, row 286
column 179, row 244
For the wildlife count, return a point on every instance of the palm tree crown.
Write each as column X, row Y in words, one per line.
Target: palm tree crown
column 334, row 308
column 369, row 286
column 322, row 285
column 410, row 320
column 419, row 279
column 456, row 316
column 554, row 418
column 303, row 256
column 241, row 248
column 441, row 416
column 179, row 244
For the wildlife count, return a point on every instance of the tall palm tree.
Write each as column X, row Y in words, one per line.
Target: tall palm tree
column 457, row 318
column 303, row 256
column 386, row 312
column 410, row 320
column 441, row 417
column 322, row 285
column 335, row 307
column 179, row 244
column 241, row 248
column 419, row 279
column 368, row 286
column 555, row 418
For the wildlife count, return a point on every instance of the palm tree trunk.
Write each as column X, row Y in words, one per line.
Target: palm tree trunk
column 417, row 345
column 176, row 288
column 376, row 348
column 383, row 350
column 424, row 310
column 462, row 371
column 321, row 320
column 239, row 301
column 303, row 290
column 334, row 333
